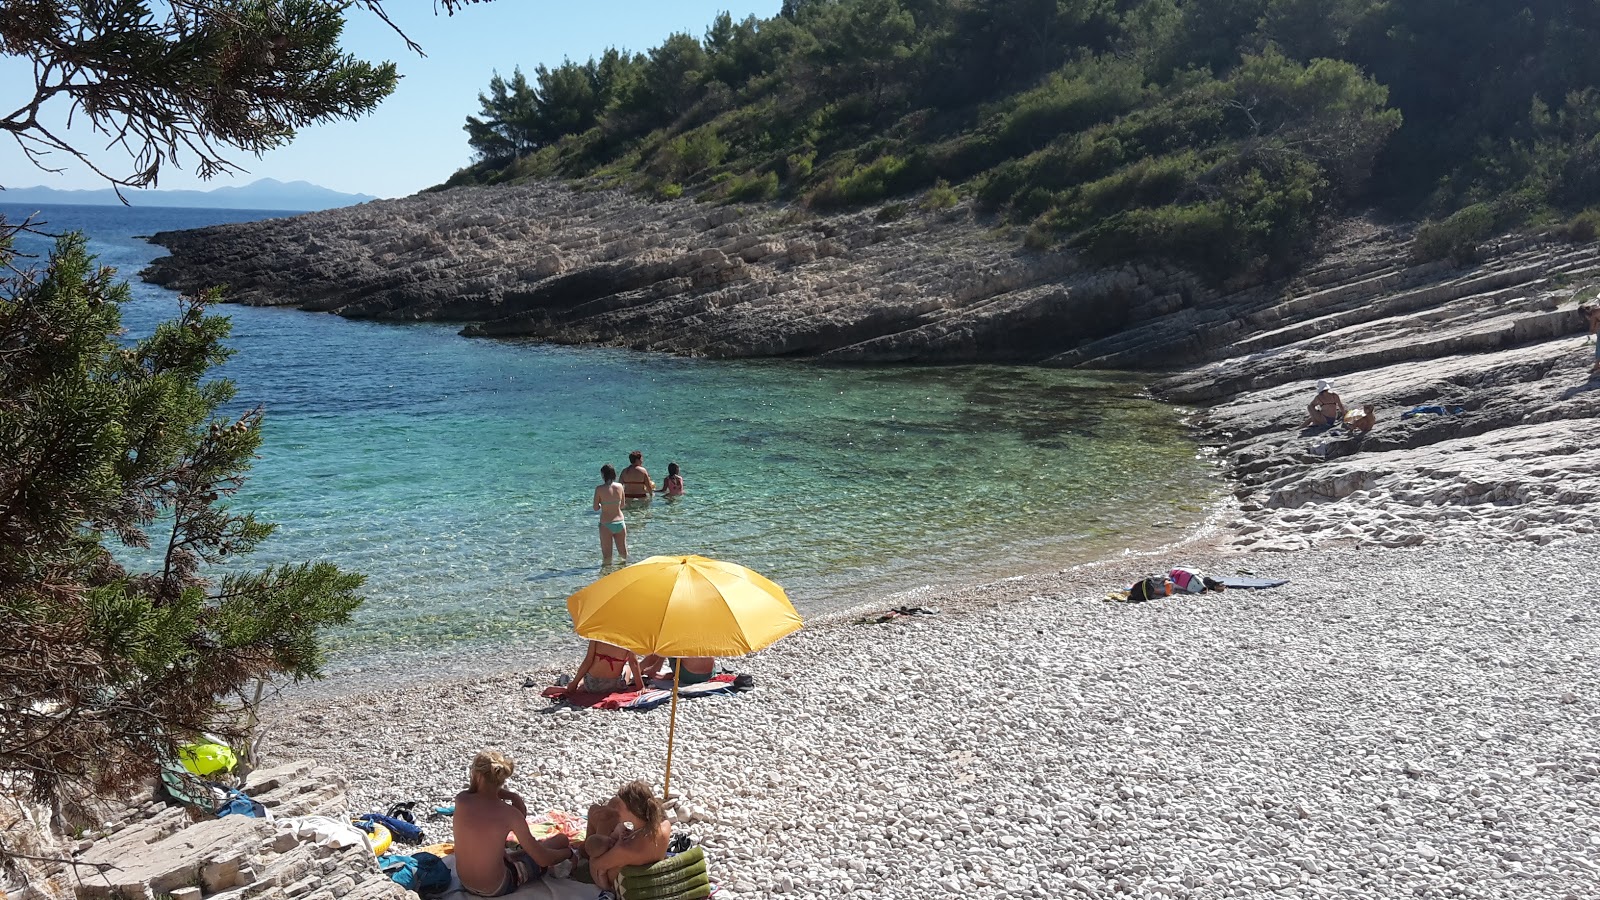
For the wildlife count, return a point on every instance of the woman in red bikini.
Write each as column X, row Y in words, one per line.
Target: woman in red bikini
column 606, row 669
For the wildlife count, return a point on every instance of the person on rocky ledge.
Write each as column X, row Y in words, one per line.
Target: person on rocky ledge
column 1364, row 421
column 1592, row 314
column 1325, row 409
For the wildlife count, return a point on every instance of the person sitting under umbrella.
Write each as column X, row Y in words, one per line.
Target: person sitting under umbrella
column 630, row 829
column 607, row 669
column 690, row 669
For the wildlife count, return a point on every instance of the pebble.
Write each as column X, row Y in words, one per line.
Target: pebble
column 1337, row 738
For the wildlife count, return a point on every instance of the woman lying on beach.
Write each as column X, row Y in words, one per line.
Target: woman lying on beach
column 691, row 669
column 607, row 669
column 485, row 813
column 630, row 829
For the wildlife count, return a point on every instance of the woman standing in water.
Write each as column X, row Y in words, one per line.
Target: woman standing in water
column 608, row 502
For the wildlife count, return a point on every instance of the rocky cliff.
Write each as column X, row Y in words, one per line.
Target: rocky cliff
column 1498, row 339
column 894, row 284
column 1515, row 454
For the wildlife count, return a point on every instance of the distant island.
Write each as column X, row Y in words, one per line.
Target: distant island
column 264, row 193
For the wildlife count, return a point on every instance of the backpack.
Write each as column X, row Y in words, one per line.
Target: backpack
column 403, row 831
column 422, row 872
column 1149, row 589
column 1188, row 580
column 1192, row 581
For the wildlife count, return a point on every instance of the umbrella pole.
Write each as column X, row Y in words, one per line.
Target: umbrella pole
column 672, row 726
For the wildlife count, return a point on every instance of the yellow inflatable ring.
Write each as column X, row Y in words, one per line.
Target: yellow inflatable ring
column 380, row 839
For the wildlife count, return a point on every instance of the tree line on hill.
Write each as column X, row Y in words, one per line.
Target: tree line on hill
column 1217, row 134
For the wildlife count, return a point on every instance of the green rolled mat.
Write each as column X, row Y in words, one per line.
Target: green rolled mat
column 688, row 859
column 680, row 877
column 695, row 888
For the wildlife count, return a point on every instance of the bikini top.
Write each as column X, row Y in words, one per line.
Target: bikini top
column 619, row 660
column 642, row 481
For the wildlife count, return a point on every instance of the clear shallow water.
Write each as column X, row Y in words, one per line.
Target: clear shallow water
column 456, row 474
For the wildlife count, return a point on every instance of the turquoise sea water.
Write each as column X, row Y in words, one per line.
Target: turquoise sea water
column 457, row 473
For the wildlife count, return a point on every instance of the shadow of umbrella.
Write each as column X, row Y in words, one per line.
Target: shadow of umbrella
column 683, row 606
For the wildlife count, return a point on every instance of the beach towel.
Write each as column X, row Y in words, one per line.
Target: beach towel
column 555, row 821
column 1432, row 411
column 1253, row 583
column 615, row 700
column 641, row 700
column 549, row 887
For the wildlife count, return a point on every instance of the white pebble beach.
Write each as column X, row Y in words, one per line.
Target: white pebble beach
column 1392, row 723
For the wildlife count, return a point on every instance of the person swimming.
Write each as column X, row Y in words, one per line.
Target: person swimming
column 636, row 482
column 673, row 485
column 608, row 499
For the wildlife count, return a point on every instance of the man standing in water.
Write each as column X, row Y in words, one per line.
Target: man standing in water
column 636, row 483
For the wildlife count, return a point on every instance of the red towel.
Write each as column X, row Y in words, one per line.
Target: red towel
column 593, row 701
column 618, row 700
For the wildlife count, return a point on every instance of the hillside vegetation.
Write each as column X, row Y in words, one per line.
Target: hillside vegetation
column 1214, row 133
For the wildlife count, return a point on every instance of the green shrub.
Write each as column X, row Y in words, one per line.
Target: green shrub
column 1583, row 227
column 797, row 166
column 752, row 188
column 941, row 197
column 669, row 191
column 1456, row 237
column 1040, row 236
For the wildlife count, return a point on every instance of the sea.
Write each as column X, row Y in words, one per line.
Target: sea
column 457, row 473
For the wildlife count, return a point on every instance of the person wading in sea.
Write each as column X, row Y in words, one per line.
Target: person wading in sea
column 636, row 483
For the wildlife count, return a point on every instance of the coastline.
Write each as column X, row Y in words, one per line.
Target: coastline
column 1375, row 732
column 1412, row 715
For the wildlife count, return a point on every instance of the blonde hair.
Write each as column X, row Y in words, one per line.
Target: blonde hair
column 641, row 801
column 491, row 769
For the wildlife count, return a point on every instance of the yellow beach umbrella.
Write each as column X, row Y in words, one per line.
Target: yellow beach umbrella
column 683, row 606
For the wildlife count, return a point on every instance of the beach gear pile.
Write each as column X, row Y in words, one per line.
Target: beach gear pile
column 1182, row 580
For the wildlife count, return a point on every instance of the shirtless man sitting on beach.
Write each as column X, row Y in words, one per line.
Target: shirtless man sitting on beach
column 485, row 813
column 1326, row 408
column 630, row 829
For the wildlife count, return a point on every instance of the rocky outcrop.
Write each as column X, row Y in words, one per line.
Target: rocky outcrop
column 1501, row 341
column 153, row 850
column 601, row 267
column 1497, row 339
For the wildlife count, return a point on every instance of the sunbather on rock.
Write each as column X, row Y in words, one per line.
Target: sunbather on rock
column 485, row 813
column 1591, row 315
column 1364, row 421
column 630, row 829
column 1325, row 408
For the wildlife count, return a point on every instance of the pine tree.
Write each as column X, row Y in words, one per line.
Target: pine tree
column 130, row 624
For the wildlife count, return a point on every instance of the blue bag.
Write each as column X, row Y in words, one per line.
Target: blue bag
column 403, row 831
column 240, row 804
column 423, row 873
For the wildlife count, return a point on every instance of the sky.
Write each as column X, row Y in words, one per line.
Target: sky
column 414, row 139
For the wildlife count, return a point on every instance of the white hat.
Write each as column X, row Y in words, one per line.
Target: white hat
column 1323, row 385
